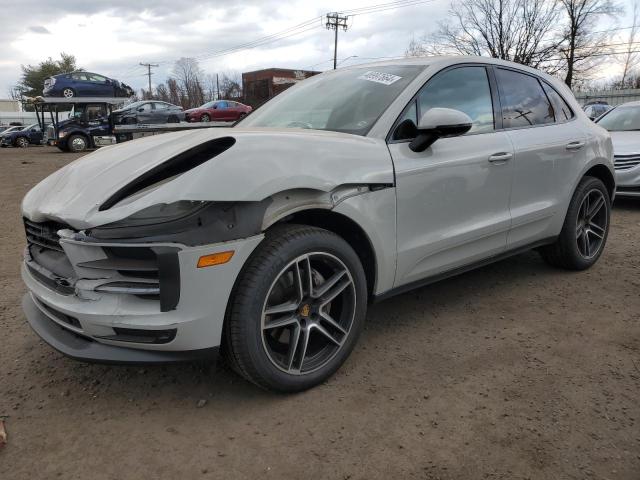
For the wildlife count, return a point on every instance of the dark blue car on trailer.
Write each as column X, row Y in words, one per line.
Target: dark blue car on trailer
column 84, row 84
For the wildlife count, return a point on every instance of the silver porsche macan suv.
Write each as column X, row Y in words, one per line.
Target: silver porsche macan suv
column 268, row 240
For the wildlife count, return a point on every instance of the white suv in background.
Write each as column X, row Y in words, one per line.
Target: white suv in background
column 269, row 239
column 623, row 123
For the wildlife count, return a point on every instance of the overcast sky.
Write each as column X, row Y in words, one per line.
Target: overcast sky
column 111, row 37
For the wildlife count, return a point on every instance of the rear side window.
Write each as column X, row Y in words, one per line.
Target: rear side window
column 562, row 110
column 524, row 102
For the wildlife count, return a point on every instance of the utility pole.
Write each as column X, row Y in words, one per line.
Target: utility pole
column 335, row 21
column 149, row 65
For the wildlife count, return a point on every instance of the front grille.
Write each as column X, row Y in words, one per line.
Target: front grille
column 44, row 234
column 50, row 133
column 626, row 162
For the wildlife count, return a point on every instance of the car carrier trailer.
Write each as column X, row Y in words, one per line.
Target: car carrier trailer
column 90, row 124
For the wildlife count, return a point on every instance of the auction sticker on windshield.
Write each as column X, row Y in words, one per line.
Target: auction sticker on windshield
column 379, row 77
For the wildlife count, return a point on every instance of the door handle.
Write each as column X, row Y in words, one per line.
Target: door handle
column 500, row 157
column 575, row 145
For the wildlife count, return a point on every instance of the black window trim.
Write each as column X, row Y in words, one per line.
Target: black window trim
column 540, row 81
column 493, row 89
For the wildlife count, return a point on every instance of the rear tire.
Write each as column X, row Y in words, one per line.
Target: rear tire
column 585, row 230
column 277, row 332
column 173, row 119
column 68, row 93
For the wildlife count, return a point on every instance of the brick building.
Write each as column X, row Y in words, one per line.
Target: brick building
column 261, row 85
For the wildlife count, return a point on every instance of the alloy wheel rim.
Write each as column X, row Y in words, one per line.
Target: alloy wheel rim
column 22, row 143
column 77, row 143
column 308, row 313
column 67, row 93
column 204, row 118
column 591, row 224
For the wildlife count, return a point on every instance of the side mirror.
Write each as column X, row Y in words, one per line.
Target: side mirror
column 440, row 123
column 141, row 109
column 33, row 130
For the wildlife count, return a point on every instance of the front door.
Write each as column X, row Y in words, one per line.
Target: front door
column 452, row 198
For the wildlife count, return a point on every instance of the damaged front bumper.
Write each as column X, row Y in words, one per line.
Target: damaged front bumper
column 128, row 302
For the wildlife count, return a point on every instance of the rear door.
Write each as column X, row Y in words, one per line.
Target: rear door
column 80, row 84
column 452, row 198
column 145, row 113
column 547, row 150
column 160, row 112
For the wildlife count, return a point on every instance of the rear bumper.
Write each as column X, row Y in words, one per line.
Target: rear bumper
column 85, row 349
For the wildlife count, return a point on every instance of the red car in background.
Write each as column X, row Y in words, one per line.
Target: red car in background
column 218, row 111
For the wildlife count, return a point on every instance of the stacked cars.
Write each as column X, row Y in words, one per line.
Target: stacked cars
column 148, row 112
column 87, row 84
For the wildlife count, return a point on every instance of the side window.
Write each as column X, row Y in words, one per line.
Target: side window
column 222, row 104
column 524, row 102
column 562, row 110
column 465, row 89
column 79, row 76
column 161, row 106
column 97, row 78
column 146, row 107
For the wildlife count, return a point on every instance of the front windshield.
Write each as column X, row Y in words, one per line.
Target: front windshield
column 621, row 119
column 208, row 105
column 349, row 100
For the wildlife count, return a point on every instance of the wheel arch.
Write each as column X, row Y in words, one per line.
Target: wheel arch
column 346, row 228
column 603, row 173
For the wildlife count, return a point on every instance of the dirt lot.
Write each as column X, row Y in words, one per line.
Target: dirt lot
column 512, row 371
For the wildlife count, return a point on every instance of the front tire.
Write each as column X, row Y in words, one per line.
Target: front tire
column 21, row 142
column 297, row 309
column 205, row 118
column 77, row 143
column 585, row 230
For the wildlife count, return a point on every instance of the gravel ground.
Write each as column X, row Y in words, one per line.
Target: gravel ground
column 512, row 371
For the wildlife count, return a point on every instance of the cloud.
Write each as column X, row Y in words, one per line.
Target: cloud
column 114, row 39
column 39, row 29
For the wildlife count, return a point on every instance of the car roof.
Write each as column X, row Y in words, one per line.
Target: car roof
column 635, row 103
column 443, row 61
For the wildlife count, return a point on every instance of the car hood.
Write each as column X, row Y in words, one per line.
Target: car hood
column 191, row 110
column 625, row 143
column 260, row 163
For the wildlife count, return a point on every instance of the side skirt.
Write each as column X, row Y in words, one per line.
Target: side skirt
column 459, row 270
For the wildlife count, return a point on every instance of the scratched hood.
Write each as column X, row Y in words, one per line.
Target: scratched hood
column 259, row 163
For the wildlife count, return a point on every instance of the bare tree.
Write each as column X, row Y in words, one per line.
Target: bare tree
column 516, row 30
column 174, row 92
column 582, row 46
column 630, row 57
column 231, row 85
column 162, row 92
column 188, row 75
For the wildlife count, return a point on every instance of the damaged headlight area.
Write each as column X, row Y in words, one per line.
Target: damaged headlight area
column 187, row 222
